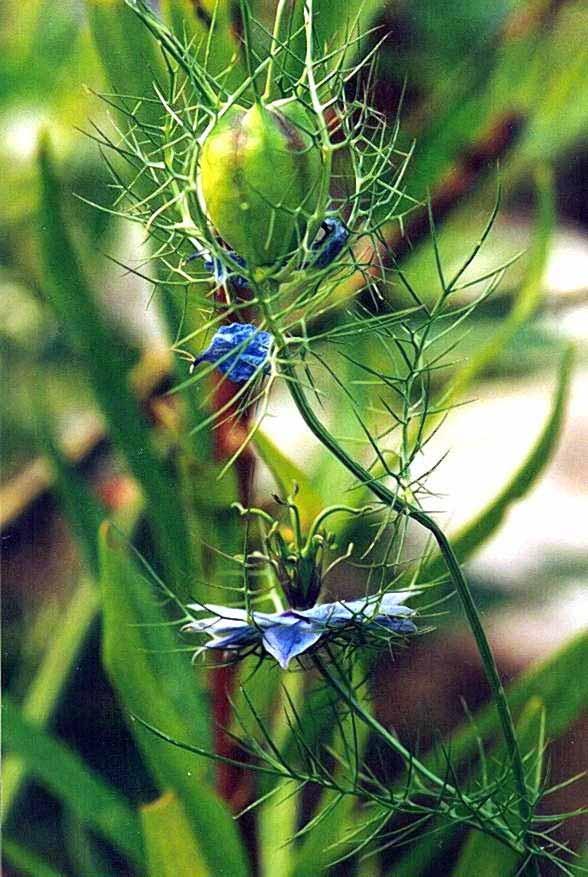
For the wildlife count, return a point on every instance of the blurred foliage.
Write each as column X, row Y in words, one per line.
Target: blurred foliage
column 73, row 344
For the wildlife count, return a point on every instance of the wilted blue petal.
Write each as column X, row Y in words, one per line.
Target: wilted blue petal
column 334, row 241
column 240, row 350
column 218, row 269
column 398, row 625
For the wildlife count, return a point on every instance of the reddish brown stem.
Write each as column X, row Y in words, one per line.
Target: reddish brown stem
column 232, row 783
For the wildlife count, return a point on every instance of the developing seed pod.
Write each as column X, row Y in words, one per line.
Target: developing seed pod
column 261, row 175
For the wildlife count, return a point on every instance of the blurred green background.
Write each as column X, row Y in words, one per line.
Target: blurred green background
column 483, row 90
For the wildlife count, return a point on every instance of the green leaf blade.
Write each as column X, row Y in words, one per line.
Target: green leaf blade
column 107, row 362
column 155, row 680
column 64, row 774
column 170, row 846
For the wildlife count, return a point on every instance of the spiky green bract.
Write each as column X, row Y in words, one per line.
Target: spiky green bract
column 260, row 178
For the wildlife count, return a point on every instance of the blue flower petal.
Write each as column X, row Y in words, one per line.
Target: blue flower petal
column 286, row 641
column 345, row 611
column 285, row 635
column 240, row 637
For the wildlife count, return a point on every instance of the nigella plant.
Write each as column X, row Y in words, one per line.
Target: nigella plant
column 268, row 189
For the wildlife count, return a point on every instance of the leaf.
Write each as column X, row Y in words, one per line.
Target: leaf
column 128, row 55
column 48, row 684
column 26, row 861
column 169, row 844
column 481, row 854
column 64, row 774
column 286, row 472
column 477, row 531
column 83, row 511
column 107, row 363
column 155, row 680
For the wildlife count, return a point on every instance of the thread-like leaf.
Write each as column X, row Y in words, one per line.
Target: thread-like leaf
column 477, row 531
column 563, row 703
column 83, row 511
column 482, row 854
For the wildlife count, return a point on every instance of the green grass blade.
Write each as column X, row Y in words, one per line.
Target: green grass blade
column 50, row 680
column 169, row 845
column 129, row 56
column 27, row 862
column 83, row 511
column 156, row 681
column 107, row 363
column 85, row 857
column 64, row 774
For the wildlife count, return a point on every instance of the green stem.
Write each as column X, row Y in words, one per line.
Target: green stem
column 326, row 513
column 398, row 504
column 502, row 834
column 275, row 48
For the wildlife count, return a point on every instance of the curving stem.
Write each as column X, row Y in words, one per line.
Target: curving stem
column 453, row 567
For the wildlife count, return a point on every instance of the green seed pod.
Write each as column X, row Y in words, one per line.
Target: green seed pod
column 260, row 177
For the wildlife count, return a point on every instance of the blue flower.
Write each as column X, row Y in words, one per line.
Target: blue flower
column 240, row 351
column 287, row 635
column 330, row 246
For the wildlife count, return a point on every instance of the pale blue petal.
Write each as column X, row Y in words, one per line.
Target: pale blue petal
column 284, row 642
column 245, row 636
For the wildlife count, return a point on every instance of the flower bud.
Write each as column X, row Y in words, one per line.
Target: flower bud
column 260, row 177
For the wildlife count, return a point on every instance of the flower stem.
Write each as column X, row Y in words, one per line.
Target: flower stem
column 396, row 503
column 501, row 833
